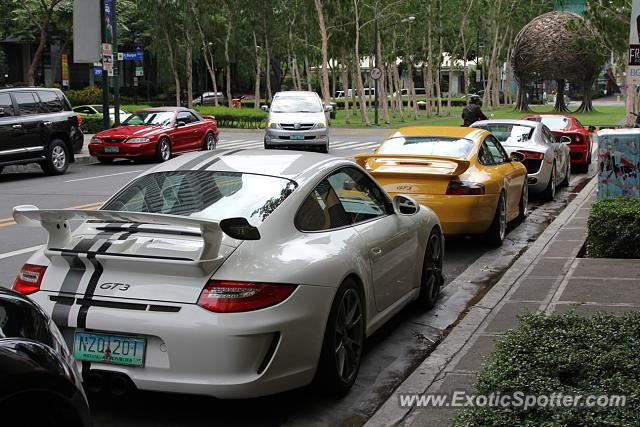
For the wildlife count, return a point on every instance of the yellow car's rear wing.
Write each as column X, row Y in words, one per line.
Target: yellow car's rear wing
column 433, row 165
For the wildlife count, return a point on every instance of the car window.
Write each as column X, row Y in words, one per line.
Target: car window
column 484, row 155
column 51, row 101
column 361, row 199
column 27, row 103
column 497, row 152
column 186, row 117
column 204, row 194
column 321, row 210
column 6, row 105
column 84, row 110
column 509, row 133
column 155, row 118
column 548, row 136
column 296, row 104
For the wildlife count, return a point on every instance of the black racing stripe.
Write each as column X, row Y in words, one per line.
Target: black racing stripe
column 98, row 269
column 191, row 163
column 211, row 162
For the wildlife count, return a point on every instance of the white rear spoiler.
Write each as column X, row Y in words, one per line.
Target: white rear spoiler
column 56, row 222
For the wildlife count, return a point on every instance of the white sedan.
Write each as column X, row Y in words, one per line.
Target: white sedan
column 233, row 273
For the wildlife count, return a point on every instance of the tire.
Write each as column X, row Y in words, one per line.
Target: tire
column 567, row 175
column 498, row 229
column 105, row 160
column 267, row 146
column 163, row 151
column 549, row 193
column 210, row 142
column 56, row 158
column 324, row 149
column 524, row 201
column 339, row 363
column 432, row 279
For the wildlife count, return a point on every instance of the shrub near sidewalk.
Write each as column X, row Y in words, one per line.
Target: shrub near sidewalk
column 568, row 354
column 614, row 228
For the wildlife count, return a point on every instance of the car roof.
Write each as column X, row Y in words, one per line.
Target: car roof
column 529, row 123
column 290, row 164
column 622, row 131
column 446, row 131
column 165, row 109
column 550, row 115
column 18, row 89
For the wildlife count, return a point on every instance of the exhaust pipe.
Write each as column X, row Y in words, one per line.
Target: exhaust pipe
column 119, row 385
column 94, row 382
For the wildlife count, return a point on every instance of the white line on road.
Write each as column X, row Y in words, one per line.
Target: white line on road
column 104, row 176
column 20, row 252
column 360, row 145
column 242, row 144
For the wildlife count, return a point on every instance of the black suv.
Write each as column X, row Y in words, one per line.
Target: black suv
column 38, row 126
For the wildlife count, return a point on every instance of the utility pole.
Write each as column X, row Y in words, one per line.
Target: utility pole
column 117, row 70
column 105, row 74
column 375, row 61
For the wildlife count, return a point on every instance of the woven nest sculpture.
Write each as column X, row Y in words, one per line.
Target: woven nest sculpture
column 559, row 46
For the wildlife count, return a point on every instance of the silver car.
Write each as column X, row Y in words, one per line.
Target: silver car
column 547, row 160
column 297, row 119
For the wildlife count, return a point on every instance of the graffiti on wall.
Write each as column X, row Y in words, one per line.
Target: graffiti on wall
column 618, row 165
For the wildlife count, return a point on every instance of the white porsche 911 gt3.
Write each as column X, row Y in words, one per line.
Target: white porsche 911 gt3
column 233, row 273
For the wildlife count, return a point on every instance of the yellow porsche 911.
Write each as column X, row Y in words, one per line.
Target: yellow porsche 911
column 463, row 174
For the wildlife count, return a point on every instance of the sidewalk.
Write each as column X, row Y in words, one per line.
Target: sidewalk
column 548, row 277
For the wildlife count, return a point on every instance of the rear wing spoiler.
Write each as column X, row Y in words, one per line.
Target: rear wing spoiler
column 455, row 167
column 56, row 222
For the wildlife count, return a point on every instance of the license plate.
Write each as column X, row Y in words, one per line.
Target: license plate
column 115, row 349
column 297, row 137
column 111, row 149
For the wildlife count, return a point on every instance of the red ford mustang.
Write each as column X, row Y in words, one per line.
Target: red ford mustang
column 156, row 133
column 579, row 138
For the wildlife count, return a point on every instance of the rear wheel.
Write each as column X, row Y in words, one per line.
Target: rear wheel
column 163, row 151
column 343, row 341
column 210, row 142
column 498, row 228
column 549, row 193
column 432, row 279
column 57, row 158
column 105, row 160
column 567, row 175
column 523, row 205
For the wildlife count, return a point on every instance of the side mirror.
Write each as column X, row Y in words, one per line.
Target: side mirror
column 565, row 140
column 403, row 205
column 517, row 156
column 180, row 124
column 328, row 108
column 264, row 108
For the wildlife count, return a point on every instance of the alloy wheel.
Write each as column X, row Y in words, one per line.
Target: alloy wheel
column 58, row 157
column 211, row 142
column 349, row 335
column 165, row 151
column 433, row 266
column 503, row 217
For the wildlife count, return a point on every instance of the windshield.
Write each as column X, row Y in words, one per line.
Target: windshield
column 553, row 122
column 509, row 133
column 428, row 145
column 301, row 104
column 204, row 194
column 156, row 118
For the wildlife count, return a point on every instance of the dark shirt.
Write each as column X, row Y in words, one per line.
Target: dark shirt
column 472, row 114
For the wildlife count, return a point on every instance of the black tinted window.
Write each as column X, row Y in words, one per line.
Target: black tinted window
column 6, row 106
column 51, row 101
column 361, row 199
column 27, row 103
column 322, row 210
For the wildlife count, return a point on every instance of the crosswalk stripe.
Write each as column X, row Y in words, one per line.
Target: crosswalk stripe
column 338, row 145
column 243, row 144
column 356, row 146
column 222, row 141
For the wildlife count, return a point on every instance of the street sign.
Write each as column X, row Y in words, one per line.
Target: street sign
column 633, row 76
column 64, row 60
column 106, row 49
column 120, row 56
column 135, row 82
column 97, row 71
column 375, row 73
column 133, row 56
column 139, row 71
column 107, row 62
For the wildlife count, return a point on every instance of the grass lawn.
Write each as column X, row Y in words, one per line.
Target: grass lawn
column 604, row 115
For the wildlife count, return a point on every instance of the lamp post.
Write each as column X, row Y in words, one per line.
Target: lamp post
column 375, row 56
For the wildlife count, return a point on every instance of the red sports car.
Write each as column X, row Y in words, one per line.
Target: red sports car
column 156, row 133
column 576, row 136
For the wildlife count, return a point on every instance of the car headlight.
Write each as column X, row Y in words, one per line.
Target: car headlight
column 95, row 140
column 319, row 126
column 273, row 125
column 138, row 140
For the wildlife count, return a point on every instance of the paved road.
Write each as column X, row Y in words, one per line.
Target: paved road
column 390, row 355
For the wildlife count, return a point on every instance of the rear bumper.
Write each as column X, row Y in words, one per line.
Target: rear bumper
column 76, row 138
column 579, row 154
column 147, row 149
column 231, row 355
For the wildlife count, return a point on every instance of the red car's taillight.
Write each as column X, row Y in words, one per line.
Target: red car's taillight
column 532, row 155
column 29, row 279
column 222, row 296
column 79, row 118
column 461, row 188
column 578, row 139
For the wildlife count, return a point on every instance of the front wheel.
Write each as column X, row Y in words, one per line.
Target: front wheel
column 567, row 175
column 432, row 278
column 163, row 151
column 498, row 229
column 343, row 341
column 56, row 158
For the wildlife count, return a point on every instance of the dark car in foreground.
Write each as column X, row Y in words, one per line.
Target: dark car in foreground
column 39, row 383
column 37, row 125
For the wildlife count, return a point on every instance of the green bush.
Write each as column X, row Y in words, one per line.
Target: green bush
column 568, row 354
column 614, row 228
column 88, row 95
column 236, row 117
column 91, row 125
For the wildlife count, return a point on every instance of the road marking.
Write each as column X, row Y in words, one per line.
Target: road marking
column 20, row 252
column 243, row 144
column 103, row 176
column 5, row 222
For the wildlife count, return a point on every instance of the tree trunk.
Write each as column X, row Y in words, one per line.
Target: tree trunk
column 399, row 103
column 325, row 51
column 587, row 97
column 44, row 29
column 522, row 103
column 382, row 96
column 268, row 72
column 189, row 69
column 256, row 92
column 208, row 55
column 356, row 57
column 226, row 59
column 174, row 70
column 561, row 106
column 345, row 87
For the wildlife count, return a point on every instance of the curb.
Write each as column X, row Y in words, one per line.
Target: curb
column 390, row 412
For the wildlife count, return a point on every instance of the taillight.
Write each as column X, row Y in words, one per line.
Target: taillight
column 223, row 296
column 532, row 155
column 578, row 139
column 79, row 118
column 461, row 188
column 29, row 279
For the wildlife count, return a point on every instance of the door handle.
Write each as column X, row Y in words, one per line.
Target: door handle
column 376, row 251
column 46, row 123
column 17, row 126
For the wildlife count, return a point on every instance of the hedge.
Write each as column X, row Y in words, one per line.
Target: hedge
column 614, row 228
column 568, row 354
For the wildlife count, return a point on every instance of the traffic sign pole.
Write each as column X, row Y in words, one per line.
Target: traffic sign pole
column 105, row 76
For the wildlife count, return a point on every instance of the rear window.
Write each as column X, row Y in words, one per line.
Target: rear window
column 553, row 122
column 51, row 101
column 432, row 145
column 509, row 133
column 204, row 194
column 28, row 103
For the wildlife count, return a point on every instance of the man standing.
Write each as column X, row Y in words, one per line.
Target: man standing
column 472, row 112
